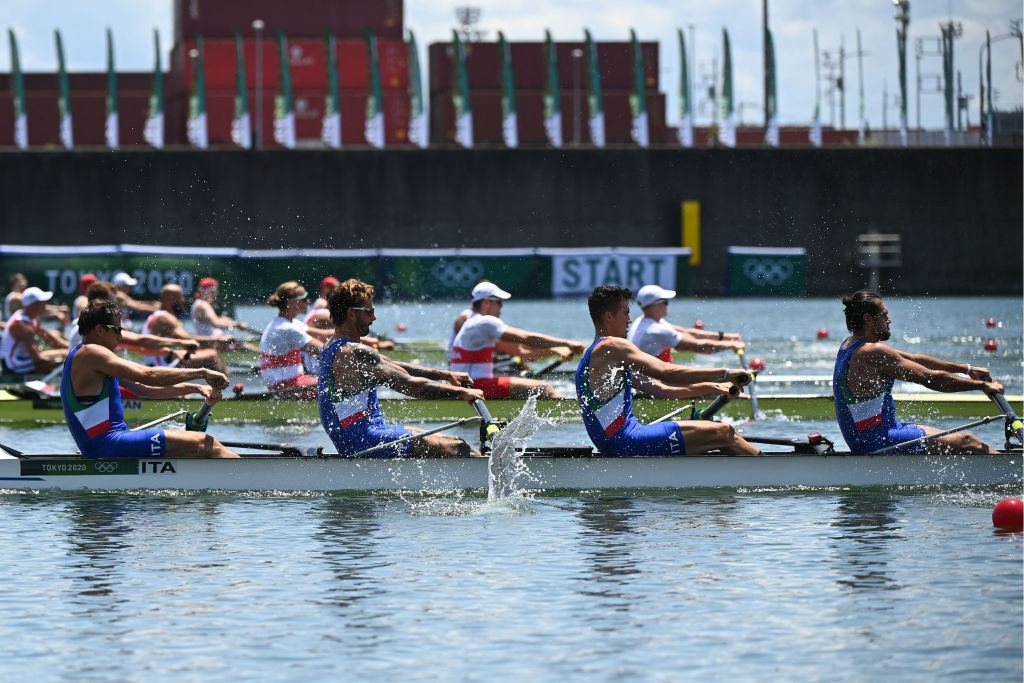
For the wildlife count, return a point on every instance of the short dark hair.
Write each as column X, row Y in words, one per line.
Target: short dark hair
column 857, row 304
column 100, row 291
column 605, row 299
column 349, row 293
column 98, row 312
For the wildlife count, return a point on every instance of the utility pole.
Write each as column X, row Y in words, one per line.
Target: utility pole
column 764, row 60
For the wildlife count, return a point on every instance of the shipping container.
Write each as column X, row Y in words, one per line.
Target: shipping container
column 530, row 113
column 299, row 18
column 529, row 65
column 307, row 58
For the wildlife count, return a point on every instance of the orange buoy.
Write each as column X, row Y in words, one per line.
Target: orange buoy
column 1008, row 514
column 991, row 345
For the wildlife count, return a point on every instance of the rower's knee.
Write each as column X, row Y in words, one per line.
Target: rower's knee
column 724, row 434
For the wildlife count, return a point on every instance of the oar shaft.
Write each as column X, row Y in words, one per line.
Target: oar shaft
column 412, row 437
column 157, row 421
column 717, row 405
column 675, row 412
column 752, row 386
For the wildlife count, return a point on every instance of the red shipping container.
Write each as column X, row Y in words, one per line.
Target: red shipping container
column 300, row 18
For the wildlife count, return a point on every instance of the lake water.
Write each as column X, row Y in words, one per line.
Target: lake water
column 830, row 584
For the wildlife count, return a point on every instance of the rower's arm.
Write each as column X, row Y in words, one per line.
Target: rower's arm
column 26, row 335
column 894, row 364
column 620, row 351
column 174, row 391
column 53, row 339
column 313, row 346
column 529, row 353
column 933, row 363
column 706, row 334
column 536, row 339
column 705, row 345
column 662, row 390
column 392, row 374
column 436, row 374
column 106, row 362
column 150, row 341
column 205, row 312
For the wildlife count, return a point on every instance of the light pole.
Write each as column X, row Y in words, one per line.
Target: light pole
column 257, row 26
column 1014, row 33
column 903, row 21
column 577, row 60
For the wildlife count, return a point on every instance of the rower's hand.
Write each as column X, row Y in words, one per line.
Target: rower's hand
column 189, row 345
column 470, row 395
column 209, row 394
column 724, row 389
column 385, row 344
column 993, row 388
column 215, row 379
column 563, row 352
column 737, row 346
column 980, row 374
column 576, row 347
column 740, row 377
column 460, row 379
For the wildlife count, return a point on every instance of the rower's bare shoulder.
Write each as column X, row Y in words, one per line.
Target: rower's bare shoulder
column 876, row 353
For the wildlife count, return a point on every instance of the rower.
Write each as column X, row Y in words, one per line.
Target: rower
column 349, row 375
column 124, row 286
column 90, row 394
column 326, row 285
column 165, row 323
column 866, row 369
column 604, row 390
column 284, row 342
column 318, row 319
column 12, row 302
column 474, row 345
column 82, row 298
column 19, row 351
column 657, row 336
column 205, row 319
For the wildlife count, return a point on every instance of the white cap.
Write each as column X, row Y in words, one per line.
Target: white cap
column 489, row 290
column 650, row 294
column 124, row 280
column 34, row 295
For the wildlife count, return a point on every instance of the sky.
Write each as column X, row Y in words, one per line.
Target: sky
column 82, row 24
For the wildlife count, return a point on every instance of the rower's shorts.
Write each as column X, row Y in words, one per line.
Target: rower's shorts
column 369, row 433
column 636, row 438
column 145, row 443
column 493, row 387
column 897, row 434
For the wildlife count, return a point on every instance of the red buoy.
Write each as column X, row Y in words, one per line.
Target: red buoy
column 822, row 333
column 238, row 389
column 756, row 364
column 402, row 327
column 699, row 324
column 1008, row 514
column 991, row 345
column 991, row 322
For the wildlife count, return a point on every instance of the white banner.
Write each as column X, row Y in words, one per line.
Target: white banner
column 579, row 274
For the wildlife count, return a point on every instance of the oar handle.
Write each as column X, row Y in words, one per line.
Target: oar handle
column 716, row 405
column 489, row 427
column 482, row 411
column 198, row 421
column 1014, row 425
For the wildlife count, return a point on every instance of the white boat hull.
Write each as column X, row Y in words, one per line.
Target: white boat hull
column 369, row 474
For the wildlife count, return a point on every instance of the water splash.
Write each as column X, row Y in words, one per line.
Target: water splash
column 506, row 467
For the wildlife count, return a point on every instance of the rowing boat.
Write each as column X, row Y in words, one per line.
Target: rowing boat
column 41, row 410
column 545, row 469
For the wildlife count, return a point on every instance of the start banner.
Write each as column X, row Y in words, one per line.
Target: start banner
column 576, row 272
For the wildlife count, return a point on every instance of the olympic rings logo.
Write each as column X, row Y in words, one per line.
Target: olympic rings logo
column 454, row 274
column 105, row 467
column 767, row 271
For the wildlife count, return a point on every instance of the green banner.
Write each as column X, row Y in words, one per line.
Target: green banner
column 452, row 275
column 767, row 271
column 76, row 468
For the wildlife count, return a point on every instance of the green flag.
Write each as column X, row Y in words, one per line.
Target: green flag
column 330, row 130
column 418, row 134
column 509, row 118
column 638, row 98
column 685, row 132
column 727, row 130
column 460, row 95
column 18, row 95
column 63, row 96
column 771, row 129
column 374, row 111
column 241, row 124
column 552, row 94
column 815, row 132
column 111, row 123
column 153, row 133
column 595, row 94
column 284, row 113
column 197, row 132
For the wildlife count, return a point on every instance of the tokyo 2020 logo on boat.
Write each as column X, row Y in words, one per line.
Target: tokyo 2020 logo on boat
column 767, row 271
column 456, row 274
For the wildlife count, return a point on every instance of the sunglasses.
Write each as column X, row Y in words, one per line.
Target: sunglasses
column 116, row 329
column 369, row 309
column 304, row 297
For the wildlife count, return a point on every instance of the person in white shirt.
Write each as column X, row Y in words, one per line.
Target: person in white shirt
column 657, row 336
column 473, row 347
column 19, row 352
column 124, row 284
column 285, row 340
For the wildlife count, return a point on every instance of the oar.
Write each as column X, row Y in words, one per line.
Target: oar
column 154, row 423
column 286, row 450
column 534, row 374
column 198, row 421
column 752, row 386
column 1014, row 425
column 716, row 405
column 675, row 412
column 929, row 437
column 412, row 437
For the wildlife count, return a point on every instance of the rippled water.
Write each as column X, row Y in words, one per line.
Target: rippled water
column 837, row 585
